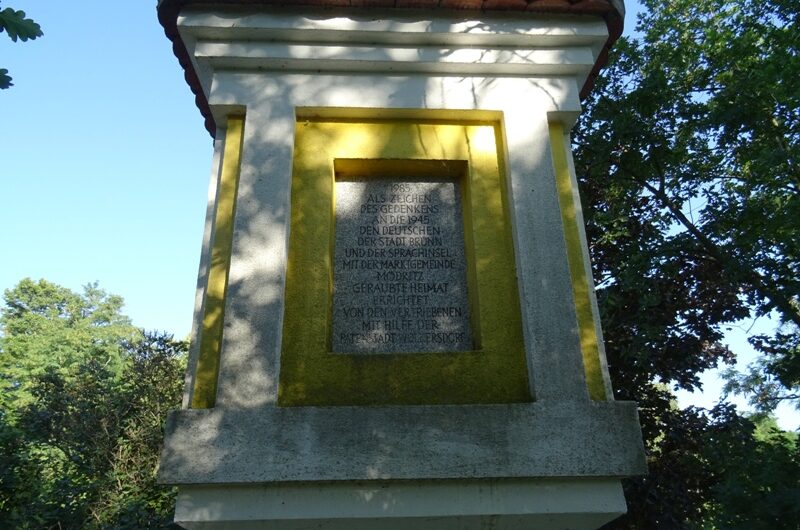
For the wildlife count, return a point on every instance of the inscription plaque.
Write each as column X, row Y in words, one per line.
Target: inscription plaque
column 399, row 274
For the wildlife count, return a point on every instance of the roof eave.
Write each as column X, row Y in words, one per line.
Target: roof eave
column 612, row 11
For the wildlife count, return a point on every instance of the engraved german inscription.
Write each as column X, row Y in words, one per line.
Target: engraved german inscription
column 399, row 279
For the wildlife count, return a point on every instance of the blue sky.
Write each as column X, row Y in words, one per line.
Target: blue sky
column 104, row 163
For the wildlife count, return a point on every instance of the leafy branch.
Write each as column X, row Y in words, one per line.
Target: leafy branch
column 18, row 27
column 784, row 304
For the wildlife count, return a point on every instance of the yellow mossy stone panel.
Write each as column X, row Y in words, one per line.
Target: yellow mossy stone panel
column 590, row 347
column 204, row 394
column 496, row 371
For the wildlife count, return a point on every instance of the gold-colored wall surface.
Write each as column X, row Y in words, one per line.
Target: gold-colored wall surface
column 495, row 372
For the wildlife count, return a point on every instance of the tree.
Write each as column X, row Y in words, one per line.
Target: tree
column 84, row 397
column 756, row 470
column 687, row 158
column 48, row 328
column 16, row 26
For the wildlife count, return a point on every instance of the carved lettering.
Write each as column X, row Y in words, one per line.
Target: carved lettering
column 399, row 267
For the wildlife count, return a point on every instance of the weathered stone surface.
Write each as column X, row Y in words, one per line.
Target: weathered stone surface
column 276, row 444
column 399, row 267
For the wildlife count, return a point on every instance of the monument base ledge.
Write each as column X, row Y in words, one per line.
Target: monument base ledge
column 567, row 439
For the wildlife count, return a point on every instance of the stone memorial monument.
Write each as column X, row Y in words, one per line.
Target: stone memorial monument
column 395, row 322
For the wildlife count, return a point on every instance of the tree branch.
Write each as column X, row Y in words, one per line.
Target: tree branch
column 726, row 261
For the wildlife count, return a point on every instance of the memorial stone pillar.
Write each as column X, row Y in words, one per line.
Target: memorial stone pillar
column 395, row 323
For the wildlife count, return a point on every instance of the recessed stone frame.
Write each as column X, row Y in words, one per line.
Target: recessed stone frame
column 496, row 371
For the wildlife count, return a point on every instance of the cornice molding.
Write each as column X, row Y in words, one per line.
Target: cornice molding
column 611, row 11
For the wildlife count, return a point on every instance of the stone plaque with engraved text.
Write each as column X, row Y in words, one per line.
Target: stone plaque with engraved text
column 400, row 275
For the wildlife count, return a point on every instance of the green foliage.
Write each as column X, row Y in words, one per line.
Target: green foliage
column 756, row 471
column 82, row 412
column 16, row 27
column 687, row 156
column 762, row 381
column 48, row 328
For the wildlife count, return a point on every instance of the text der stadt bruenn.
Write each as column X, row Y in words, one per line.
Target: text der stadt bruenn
column 399, row 267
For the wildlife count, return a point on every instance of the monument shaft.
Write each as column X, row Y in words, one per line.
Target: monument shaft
column 395, row 324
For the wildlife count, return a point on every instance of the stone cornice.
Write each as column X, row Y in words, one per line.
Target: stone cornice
column 612, row 11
